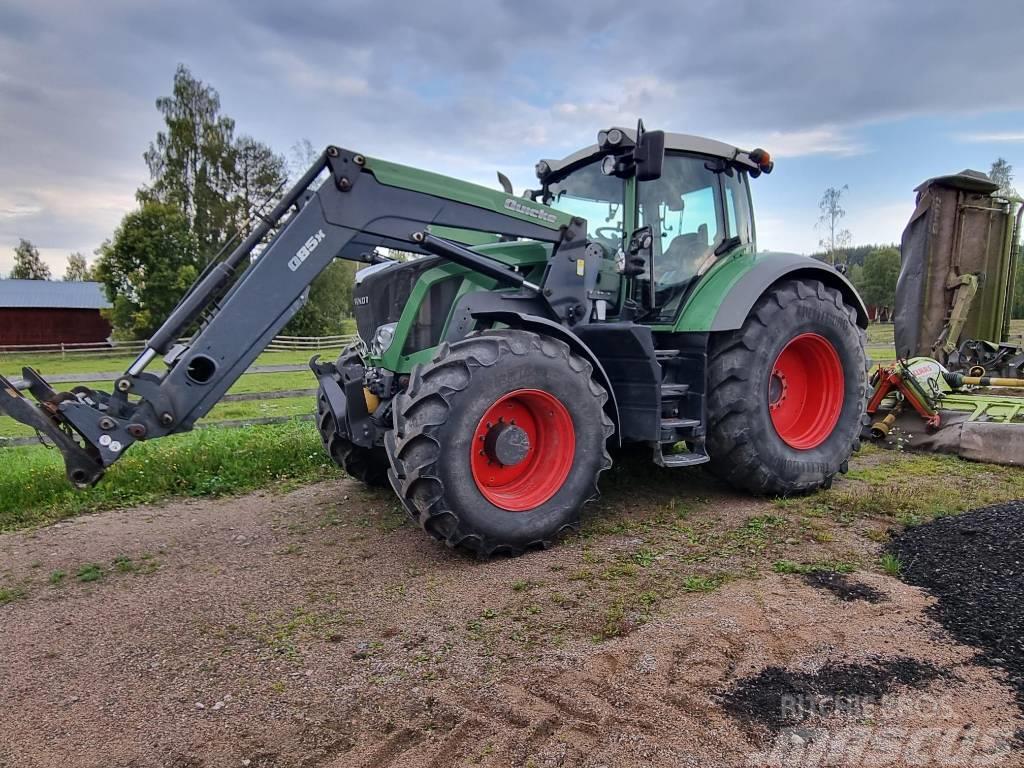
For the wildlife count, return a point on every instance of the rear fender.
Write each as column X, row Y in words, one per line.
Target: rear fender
column 726, row 295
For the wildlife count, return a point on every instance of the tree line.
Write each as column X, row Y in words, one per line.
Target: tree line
column 29, row 265
column 208, row 186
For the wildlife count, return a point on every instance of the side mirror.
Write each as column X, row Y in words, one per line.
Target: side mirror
column 649, row 155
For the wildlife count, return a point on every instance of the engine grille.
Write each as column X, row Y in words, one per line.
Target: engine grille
column 380, row 298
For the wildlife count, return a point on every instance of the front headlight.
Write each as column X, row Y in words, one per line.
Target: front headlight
column 382, row 339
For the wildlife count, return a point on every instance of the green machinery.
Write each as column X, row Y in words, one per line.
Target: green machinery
column 958, row 261
column 622, row 301
column 935, row 409
column 959, row 372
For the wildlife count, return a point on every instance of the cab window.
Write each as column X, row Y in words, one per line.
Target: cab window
column 684, row 210
column 737, row 206
column 599, row 199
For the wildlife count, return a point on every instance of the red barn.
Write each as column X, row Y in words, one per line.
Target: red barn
column 51, row 312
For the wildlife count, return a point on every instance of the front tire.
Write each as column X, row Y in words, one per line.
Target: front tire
column 786, row 391
column 499, row 441
column 368, row 465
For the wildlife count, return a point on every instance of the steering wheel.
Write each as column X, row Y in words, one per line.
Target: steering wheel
column 616, row 233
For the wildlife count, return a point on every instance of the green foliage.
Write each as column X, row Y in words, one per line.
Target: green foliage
column 330, row 302
column 703, row 583
column 147, row 267
column 1001, row 173
column 27, row 263
column 259, row 174
column 830, row 212
column 855, row 255
column 9, row 594
column 878, row 279
column 206, row 185
column 90, row 572
column 856, row 274
column 191, row 163
column 211, row 462
column 891, row 564
column 77, row 269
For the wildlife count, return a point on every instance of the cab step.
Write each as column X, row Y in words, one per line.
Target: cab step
column 678, row 423
column 690, row 459
column 674, row 390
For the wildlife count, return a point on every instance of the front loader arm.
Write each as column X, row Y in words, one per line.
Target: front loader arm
column 243, row 302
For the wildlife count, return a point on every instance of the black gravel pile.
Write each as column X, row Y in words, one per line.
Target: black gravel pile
column 843, row 587
column 778, row 698
column 974, row 564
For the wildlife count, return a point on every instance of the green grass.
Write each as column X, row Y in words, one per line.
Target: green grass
column 248, row 409
column 90, row 572
column 911, row 488
column 34, row 491
column 891, row 564
column 11, row 365
column 52, row 364
column 703, row 583
column 10, row 594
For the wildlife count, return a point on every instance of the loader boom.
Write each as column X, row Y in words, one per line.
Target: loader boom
column 244, row 301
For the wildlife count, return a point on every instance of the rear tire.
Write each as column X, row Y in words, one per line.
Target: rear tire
column 787, row 391
column 444, row 448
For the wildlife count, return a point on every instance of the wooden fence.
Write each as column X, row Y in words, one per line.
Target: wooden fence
column 13, row 442
column 279, row 344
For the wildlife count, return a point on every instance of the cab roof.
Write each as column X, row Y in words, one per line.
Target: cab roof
column 680, row 142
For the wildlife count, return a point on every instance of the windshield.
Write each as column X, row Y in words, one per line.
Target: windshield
column 599, row 199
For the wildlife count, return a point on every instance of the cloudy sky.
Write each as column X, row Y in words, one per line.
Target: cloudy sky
column 875, row 94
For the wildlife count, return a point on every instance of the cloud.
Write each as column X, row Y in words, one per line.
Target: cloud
column 994, row 137
column 825, row 140
column 12, row 210
column 467, row 89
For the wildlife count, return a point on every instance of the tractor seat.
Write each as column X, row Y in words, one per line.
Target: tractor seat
column 684, row 254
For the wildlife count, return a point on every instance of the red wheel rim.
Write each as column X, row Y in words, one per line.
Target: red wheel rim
column 805, row 391
column 531, row 480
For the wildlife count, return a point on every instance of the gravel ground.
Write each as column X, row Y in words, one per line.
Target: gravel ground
column 974, row 565
column 318, row 628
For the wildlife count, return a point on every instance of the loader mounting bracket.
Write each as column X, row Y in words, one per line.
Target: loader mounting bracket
column 83, row 469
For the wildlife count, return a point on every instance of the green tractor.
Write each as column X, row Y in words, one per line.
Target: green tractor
column 623, row 301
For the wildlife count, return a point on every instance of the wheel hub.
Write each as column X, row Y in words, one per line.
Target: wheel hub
column 777, row 389
column 506, row 443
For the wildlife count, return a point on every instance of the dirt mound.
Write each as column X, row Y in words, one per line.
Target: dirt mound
column 974, row 565
column 843, row 587
column 780, row 698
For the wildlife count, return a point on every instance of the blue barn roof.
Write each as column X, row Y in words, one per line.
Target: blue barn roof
column 51, row 294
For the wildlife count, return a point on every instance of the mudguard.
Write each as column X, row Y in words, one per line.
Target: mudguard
column 724, row 298
column 576, row 344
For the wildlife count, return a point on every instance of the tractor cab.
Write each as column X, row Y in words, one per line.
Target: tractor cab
column 689, row 194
